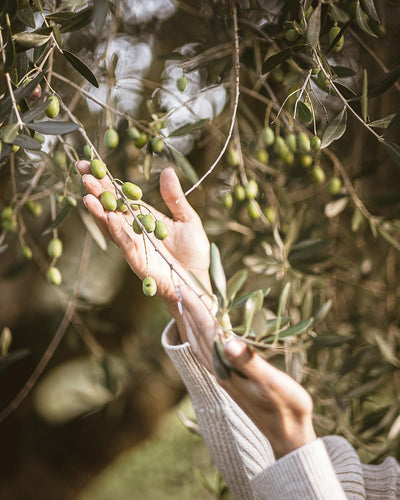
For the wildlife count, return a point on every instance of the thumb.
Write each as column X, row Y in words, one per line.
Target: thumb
column 174, row 197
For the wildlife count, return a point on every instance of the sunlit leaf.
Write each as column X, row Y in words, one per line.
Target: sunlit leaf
column 297, row 329
column 335, row 129
column 382, row 122
column 242, row 299
column 282, row 304
column 235, row 283
column 30, row 39
column 253, row 304
column 217, row 272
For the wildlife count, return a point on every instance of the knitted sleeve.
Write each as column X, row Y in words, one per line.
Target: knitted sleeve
column 325, row 469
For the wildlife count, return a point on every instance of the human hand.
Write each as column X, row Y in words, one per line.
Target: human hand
column 186, row 248
column 278, row 405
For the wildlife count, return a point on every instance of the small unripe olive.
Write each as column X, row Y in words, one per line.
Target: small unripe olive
column 232, row 157
column 253, row 210
column 131, row 191
column 303, row 142
column 108, row 201
column 53, row 107
column 315, row 143
column 318, row 174
column 7, row 213
column 87, row 152
column 71, row 201
column 60, row 158
column 323, row 80
column 270, row 214
column 111, row 138
column 268, row 136
column 149, row 286
column 15, row 148
column 59, row 199
column 54, row 276
column 134, row 206
column 157, row 145
column 55, row 248
column 227, row 200
column 121, row 205
column 182, row 83
column 10, row 225
column 333, row 33
column 34, row 207
column 26, row 252
column 291, row 142
column 39, row 137
column 133, row 133
column 149, row 223
column 287, row 156
column 291, row 35
column 306, row 160
column 141, row 140
column 279, row 145
column 251, row 189
column 98, row 169
column 161, row 230
column 240, row 193
column 262, row 156
column 135, row 225
column 334, row 186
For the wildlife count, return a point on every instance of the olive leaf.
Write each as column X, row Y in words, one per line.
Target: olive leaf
column 78, row 20
column 27, row 142
column 393, row 123
column 61, row 216
column 382, row 122
column 343, row 71
column 364, row 96
column 394, row 150
column 53, row 127
column 293, row 331
column 242, row 298
column 100, row 12
column 304, row 112
column 184, row 164
column 321, row 313
column 219, row 364
column 25, row 15
column 93, row 229
column 9, row 132
column 81, row 67
column 30, row 39
column 338, row 14
column 370, row 9
column 282, row 56
column 314, row 27
column 335, row 129
column 380, row 85
column 188, row 128
column 34, row 112
column 235, row 283
column 253, row 304
column 147, row 164
column 217, row 272
column 362, row 22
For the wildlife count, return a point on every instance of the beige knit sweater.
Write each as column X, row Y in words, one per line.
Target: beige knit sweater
column 326, row 469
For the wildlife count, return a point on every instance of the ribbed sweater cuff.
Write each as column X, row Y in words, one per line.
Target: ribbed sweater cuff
column 305, row 473
column 203, row 388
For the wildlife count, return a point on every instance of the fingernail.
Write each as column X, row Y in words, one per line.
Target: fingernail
column 84, row 201
column 234, row 347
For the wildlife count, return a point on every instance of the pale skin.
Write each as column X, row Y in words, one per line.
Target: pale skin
column 278, row 406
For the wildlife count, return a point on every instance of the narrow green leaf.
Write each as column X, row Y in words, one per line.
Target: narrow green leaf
column 242, row 299
column 188, row 128
column 34, row 112
column 183, row 164
column 11, row 55
column 273, row 61
column 370, row 9
column 270, row 327
column 393, row 123
column 93, row 230
column 331, row 340
column 253, row 304
column 321, row 313
column 81, row 67
column 304, row 112
column 9, row 133
column 27, row 142
column 217, row 272
column 60, row 17
column 335, row 129
column 364, row 96
column 382, row 122
column 314, row 27
column 362, row 22
column 235, row 283
column 38, row 5
column 297, row 329
column 53, row 127
column 26, row 16
column 78, row 20
column 282, row 304
column 394, row 150
column 29, row 39
column 383, row 83
column 343, row 71
column 61, row 216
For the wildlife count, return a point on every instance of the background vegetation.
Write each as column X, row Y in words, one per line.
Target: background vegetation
column 233, row 95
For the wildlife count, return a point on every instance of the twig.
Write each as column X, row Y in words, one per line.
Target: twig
column 235, row 104
column 58, row 336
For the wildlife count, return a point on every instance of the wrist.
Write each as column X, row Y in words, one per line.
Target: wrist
column 300, row 435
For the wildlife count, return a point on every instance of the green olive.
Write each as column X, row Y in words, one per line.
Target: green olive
column 60, row 158
column 251, row 189
column 333, row 33
column 306, row 160
column 121, row 205
column 303, row 142
column 7, row 213
column 287, row 156
column 262, row 156
column 334, row 186
column 108, row 201
column 240, row 193
column 291, row 35
column 232, row 157
column 161, row 230
column 318, row 174
column 111, row 138
column 54, row 276
column 323, row 81
column 291, row 142
column 253, row 210
column 149, row 286
column 15, row 148
column 53, row 107
column 279, row 145
column 315, row 143
column 133, row 133
column 149, row 223
column 131, row 191
column 141, row 140
column 34, row 207
column 268, row 136
column 71, row 201
column 26, row 252
column 227, row 200
column 270, row 214
column 88, row 152
column 135, row 225
column 157, row 145
column 10, row 225
column 182, row 83
column 55, row 248
column 98, row 169
column 39, row 137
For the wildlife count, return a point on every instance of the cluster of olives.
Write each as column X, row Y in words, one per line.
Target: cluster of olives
column 143, row 221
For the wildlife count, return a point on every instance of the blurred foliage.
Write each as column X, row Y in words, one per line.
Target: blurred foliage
column 300, row 98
